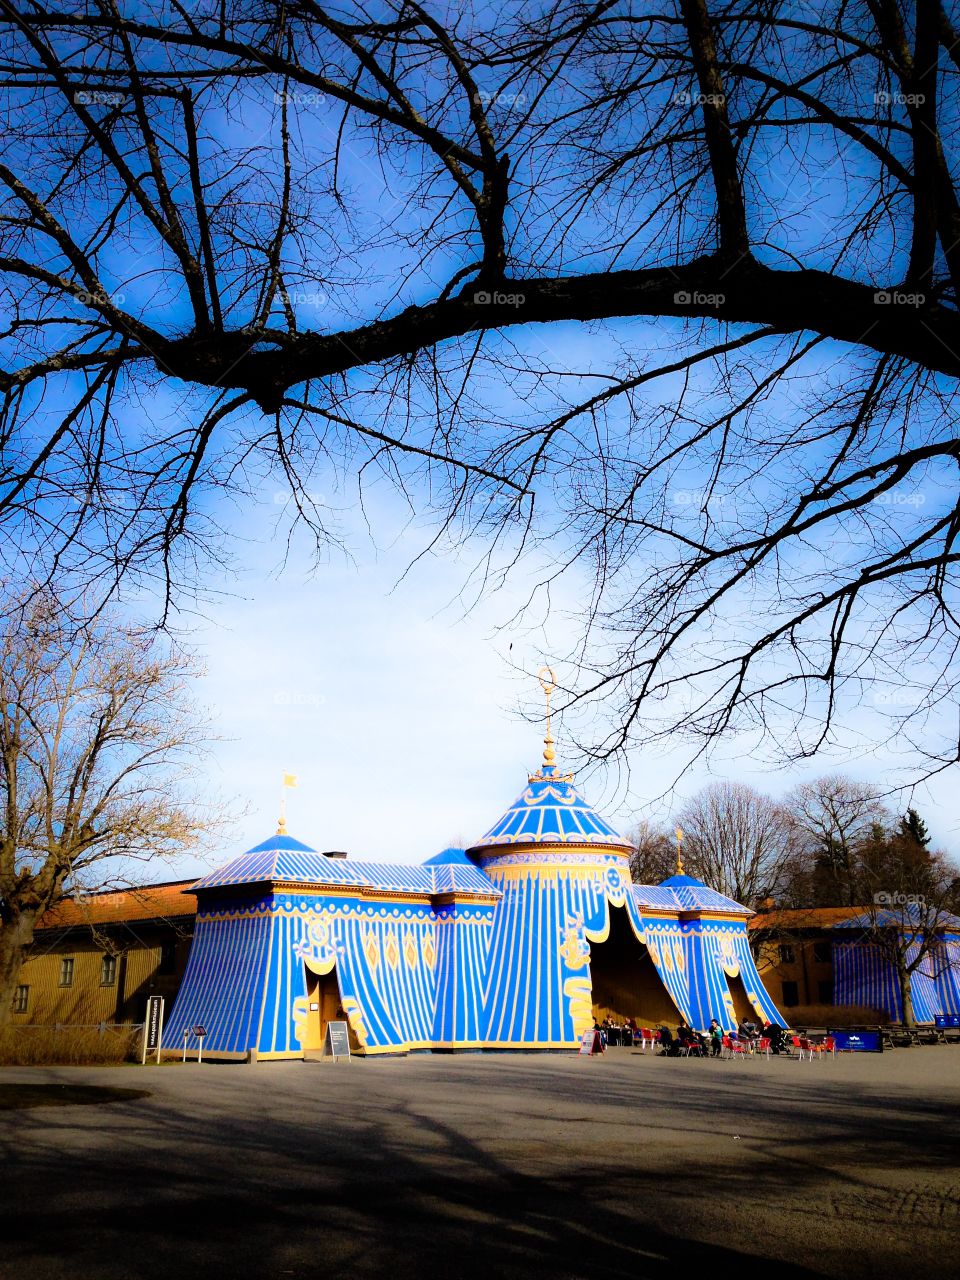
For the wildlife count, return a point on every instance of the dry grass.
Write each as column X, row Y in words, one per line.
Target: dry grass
column 830, row 1015
column 70, row 1046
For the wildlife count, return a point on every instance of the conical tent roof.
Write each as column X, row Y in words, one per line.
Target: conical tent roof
column 551, row 811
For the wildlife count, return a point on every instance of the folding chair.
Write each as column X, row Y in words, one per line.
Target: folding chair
column 734, row 1048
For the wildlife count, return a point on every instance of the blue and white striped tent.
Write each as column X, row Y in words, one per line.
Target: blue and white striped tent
column 507, row 945
column 864, row 972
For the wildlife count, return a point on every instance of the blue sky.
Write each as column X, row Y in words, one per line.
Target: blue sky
column 402, row 714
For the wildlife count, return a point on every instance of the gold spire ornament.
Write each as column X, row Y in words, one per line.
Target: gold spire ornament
column 548, row 682
column 289, row 780
column 679, row 835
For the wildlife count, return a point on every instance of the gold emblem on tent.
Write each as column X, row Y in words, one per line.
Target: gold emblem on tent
column 391, row 949
column 428, row 951
column 371, row 949
column 573, row 949
column 410, row 950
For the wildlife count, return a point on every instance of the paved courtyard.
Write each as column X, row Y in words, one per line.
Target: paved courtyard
column 490, row 1166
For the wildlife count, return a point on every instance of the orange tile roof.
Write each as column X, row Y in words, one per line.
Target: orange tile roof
column 803, row 917
column 116, row 906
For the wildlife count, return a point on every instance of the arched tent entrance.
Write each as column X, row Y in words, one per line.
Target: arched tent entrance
column 624, row 978
column 324, row 1005
column 742, row 1006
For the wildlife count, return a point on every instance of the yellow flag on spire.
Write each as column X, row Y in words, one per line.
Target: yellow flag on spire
column 289, row 779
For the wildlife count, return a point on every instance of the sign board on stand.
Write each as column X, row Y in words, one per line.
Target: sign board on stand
column 858, row 1041
column 336, row 1042
column 199, row 1032
column 153, row 1027
column 591, row 1042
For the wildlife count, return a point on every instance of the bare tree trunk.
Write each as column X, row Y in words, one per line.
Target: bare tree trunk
column 906, row 991
column 16, row 935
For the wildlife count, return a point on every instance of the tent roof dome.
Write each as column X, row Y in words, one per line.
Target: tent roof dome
column 551, row 811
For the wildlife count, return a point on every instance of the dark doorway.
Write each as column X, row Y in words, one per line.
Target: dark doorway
column 324, row 1005
column 741, row 1005
column 625, row 979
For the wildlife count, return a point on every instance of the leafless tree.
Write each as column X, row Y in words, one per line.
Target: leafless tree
column 98, row 749
column 833, row 817
column 243, row 237
column 654, row 853
column 738, row 841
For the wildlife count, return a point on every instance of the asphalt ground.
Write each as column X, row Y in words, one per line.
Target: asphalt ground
column 489, row 1165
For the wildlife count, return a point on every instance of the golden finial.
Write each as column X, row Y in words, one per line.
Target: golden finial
column 548, row 682
column 679, row 834
column 289, row 780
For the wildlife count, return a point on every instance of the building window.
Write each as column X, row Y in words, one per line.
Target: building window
column 108, row 971
column 825, row 992
column 168, row 958
column 21, row 999
column 786, row 953
column 66, row 971
column 791, row 996
column 822, row 952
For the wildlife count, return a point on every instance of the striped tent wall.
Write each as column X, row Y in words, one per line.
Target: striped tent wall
column 947, row 974
column 733, row 937
column 707, row 951
column 285, row 982
column 665, row 943
column 923, row 987
column 463, row 943
column 538, row 991
column 223, row 985
column 863, row 975
column 386, row 969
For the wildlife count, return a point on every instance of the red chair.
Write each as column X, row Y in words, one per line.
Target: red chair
column 829, row 1046
column 805, row 1047
column 647, row 1037
column 734, row 1048
column 763, row 1045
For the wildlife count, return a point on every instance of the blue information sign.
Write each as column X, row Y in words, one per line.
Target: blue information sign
column 943, row 1020
column 858, row 1041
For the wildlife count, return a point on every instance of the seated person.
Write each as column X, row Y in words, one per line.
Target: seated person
column 715, row 1031
column 748, row 1031
column 667, row 1043
column 687, row 1036
column 775, row 1034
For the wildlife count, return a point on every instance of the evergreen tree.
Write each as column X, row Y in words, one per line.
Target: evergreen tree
column 913, row 827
